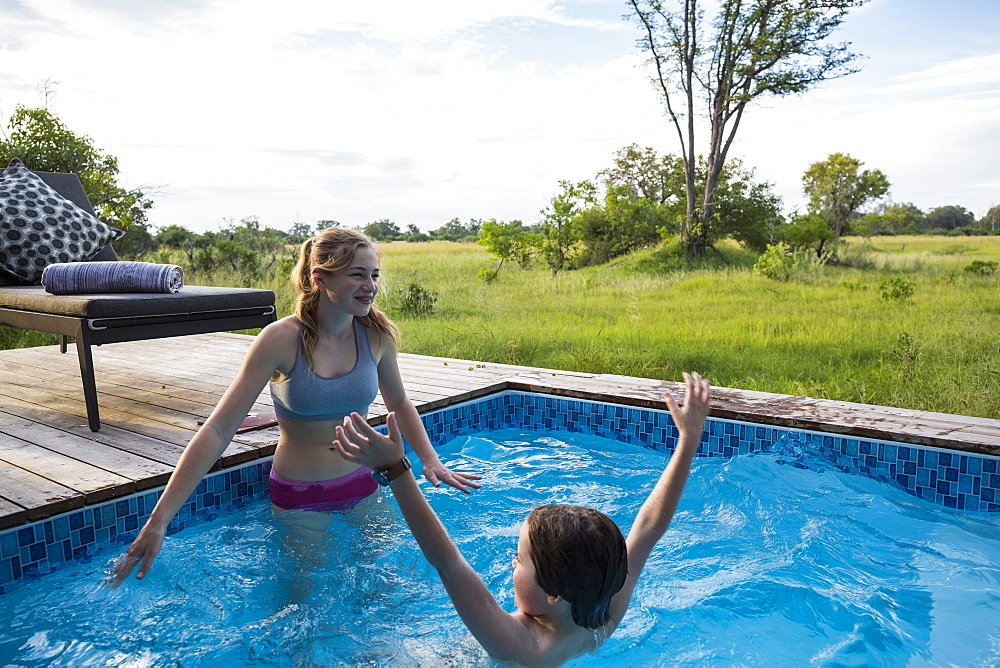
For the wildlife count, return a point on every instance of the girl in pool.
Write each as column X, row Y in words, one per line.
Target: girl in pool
column 327, row 361
column 574, row 573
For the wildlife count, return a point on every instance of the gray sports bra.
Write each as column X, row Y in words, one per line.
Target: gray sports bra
column 305, row 396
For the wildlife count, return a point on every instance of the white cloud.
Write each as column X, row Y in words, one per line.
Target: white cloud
column 421, row 112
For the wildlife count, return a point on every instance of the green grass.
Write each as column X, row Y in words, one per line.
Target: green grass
column 829, row 334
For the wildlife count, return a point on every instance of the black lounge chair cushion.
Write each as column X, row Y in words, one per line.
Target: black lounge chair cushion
column 191, row 300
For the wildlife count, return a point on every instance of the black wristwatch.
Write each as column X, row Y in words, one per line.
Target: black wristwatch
column 384, row 477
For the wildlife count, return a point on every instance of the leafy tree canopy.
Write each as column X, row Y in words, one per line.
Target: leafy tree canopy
column 838, row 188
column 949, row 218
column 745, row 210
column 890, row 219
column 991, row 221
column 749, row 50
column 455, row 230
column 382, row 230
column 506, row 241
column 43, row 143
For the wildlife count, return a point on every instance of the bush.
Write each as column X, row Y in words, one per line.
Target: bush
column 854, row 284
column 982, row 268
column 780, row 265
column 895, row 289
column 488, row 275
column 414, row 300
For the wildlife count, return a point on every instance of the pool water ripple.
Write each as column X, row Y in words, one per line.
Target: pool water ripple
column 778, row 558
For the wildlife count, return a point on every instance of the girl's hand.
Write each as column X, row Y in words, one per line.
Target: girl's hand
column 438, row 473
column 142, row 551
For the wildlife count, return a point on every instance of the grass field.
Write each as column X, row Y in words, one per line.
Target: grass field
column 828, row 334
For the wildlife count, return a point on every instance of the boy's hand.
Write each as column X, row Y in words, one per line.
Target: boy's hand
column 359, row 442
column 691, row 417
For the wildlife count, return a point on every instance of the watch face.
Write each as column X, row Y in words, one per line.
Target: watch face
column 380, row 478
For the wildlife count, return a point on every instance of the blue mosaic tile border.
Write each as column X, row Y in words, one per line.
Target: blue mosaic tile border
column 955, row 480
column 39, row 548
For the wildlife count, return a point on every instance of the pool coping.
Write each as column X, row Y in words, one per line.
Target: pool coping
column 938, row 430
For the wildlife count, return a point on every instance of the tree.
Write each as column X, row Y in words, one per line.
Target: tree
column 299, row 232
column 382, row 230
column 507, row 242
column 621, row 224
column 414, row 235
column 991, row 221
column 659, row 179
column 756, row 49
column 560, row 233
column 43, row 143
column 177, row 236
column 743, row 209
column 890, row 219
column 454, row 230
column 805, row 231
column 948, row 218
column 325, row 224
column 838, row 189
column 247, row 249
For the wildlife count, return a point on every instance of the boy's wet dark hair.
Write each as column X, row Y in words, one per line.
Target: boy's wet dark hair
column 578, row 553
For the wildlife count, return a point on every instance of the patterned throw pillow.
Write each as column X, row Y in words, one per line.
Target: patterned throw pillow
column 39, row 227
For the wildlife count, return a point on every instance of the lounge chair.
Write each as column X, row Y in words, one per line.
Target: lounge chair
column 96, row 319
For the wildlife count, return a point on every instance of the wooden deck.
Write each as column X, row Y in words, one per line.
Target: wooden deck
column 153, row 395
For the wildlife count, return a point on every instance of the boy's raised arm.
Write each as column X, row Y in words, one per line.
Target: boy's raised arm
column 495, row 630
column 655, row 514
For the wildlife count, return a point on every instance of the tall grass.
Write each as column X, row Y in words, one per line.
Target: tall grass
column 828, row 334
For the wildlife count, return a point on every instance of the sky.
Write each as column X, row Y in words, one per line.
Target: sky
column 306, row 110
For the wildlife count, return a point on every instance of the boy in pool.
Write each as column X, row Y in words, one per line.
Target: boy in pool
column 574, row 573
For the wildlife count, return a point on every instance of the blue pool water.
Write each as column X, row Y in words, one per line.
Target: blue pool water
column 774, row 558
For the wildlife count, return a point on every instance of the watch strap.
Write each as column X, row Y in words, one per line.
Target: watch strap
column 388, row 475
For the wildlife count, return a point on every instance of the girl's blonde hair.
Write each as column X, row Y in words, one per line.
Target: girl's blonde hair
column 330, row 250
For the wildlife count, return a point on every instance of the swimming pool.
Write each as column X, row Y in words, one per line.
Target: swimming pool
column 740, row 597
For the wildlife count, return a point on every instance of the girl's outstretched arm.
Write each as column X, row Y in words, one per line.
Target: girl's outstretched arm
column 656, row 512
column 494, row 628
column 394, row 395
column 204, row 450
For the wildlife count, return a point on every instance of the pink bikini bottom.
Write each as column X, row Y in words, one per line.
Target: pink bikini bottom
column 322, row 495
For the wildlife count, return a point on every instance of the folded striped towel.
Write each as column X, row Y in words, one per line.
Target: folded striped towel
column 74, row 278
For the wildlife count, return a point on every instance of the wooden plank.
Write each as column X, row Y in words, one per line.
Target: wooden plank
column 95, row 483
column 121, row 409
column 170, row 427
column 40, row 497
column 26, row 437
column 130, row 396
column 179, row 348
column 126, row 378
column 206, row 371
column 11, row 514
column 156, row 450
